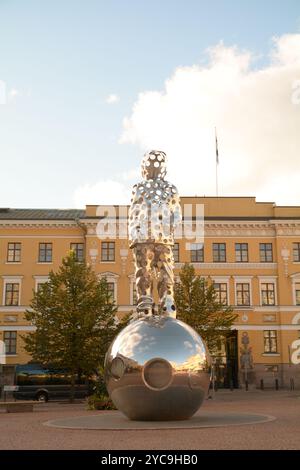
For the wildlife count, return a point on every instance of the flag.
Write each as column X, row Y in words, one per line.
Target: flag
column 217, row 150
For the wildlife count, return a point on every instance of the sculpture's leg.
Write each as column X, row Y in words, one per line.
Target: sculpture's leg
column 165, row 265
column 143, row 255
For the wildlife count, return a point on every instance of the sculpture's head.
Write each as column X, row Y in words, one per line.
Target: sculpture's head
column 154, row 165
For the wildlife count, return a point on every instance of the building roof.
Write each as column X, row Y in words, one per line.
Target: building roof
column 41, row 214
column 221, row 208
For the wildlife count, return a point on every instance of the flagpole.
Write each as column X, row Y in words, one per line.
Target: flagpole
column 217, row 163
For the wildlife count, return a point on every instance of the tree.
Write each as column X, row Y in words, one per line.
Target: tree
column 197, row 305
column 74, row 316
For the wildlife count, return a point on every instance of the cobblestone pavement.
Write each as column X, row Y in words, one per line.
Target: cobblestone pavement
column 27, row 431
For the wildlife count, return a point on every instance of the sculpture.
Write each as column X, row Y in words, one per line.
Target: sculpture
column 154, row 213
column 157, row 368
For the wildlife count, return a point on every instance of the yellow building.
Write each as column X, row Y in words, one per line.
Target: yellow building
column 251, row 252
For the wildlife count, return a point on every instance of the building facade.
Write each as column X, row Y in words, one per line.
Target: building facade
column 251, row 253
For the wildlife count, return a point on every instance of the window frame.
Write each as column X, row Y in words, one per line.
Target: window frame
column 296, row 249
column 105, row 248
column 243, row 292
column 45, row 251
column 8, row 342
column 14, row 251
column 113, row 290
column 216, row 248
column 267, row 335
column 6, row 292
column 198, row 252
column 241, row 251
column 264, row 251
column 176, row 251
column 77, row 251
column 268, row 292
column 220, row 291
column 296, row 291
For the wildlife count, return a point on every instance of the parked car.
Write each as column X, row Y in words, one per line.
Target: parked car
column 36, row 382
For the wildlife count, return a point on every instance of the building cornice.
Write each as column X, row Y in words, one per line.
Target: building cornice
column 37, row 223
column 224, row 266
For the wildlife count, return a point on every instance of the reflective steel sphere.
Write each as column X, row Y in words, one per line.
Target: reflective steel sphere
column 157, row 368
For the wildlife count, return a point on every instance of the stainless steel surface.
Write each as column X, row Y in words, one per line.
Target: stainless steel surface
column 154, row 213
column 157, row 369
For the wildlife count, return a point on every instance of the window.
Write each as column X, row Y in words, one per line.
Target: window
column 77, row 248
column 221, row 292
column 10, row 340
column 108, row 251
column 14, row 252
column 111, row 289
column 268, row 293
column 197, row 253
column 296, row 252
column 39, row 286
column 270, row 341
column 241, row 252
column 45, row 253
column 12, row 290
column 134, row 294
column 266, row 252
column 219, row 252
column 176, row 252
column 297, row 293
column 243, row 293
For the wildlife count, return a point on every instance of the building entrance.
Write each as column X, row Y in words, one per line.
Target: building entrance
column 226, row 363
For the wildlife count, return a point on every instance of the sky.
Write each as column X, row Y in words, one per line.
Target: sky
column 87, row 87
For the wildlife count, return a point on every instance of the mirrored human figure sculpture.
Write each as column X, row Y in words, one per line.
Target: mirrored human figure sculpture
column 157, row 368
column 154, row 214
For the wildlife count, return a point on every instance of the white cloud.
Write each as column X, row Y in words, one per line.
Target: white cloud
column 103, row 192
column 112, row 99
column 257, row 120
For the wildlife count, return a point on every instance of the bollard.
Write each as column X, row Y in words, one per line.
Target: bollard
column 292, row 383
column 231, row 385
column 261, row 384
column 246, row 385
column 276, row 384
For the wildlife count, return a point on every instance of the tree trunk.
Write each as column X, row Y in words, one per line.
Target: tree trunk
column 72, row 391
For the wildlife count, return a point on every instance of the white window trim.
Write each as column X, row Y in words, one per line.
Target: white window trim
column 245, row 280
column 14, row 280
column 268, row 280
column 277, row 353
column 111, row 277
column 295, row 280
column 131, row 288
column 223, row 280
column 40, row 280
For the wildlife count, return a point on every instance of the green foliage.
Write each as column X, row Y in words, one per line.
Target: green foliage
column 197, row 306
column 102, row 402
column 74, row 316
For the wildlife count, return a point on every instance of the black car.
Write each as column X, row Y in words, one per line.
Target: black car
column 36, row 382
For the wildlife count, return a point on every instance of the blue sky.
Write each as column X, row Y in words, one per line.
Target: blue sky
column 60, row 60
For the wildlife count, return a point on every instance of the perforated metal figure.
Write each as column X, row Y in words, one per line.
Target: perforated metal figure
column 154, row 213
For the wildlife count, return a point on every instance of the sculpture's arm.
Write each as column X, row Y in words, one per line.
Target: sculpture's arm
column 134, row 199
column 177, row 212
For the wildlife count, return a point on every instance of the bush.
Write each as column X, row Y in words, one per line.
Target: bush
column 100, row 400
column 103, row 402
